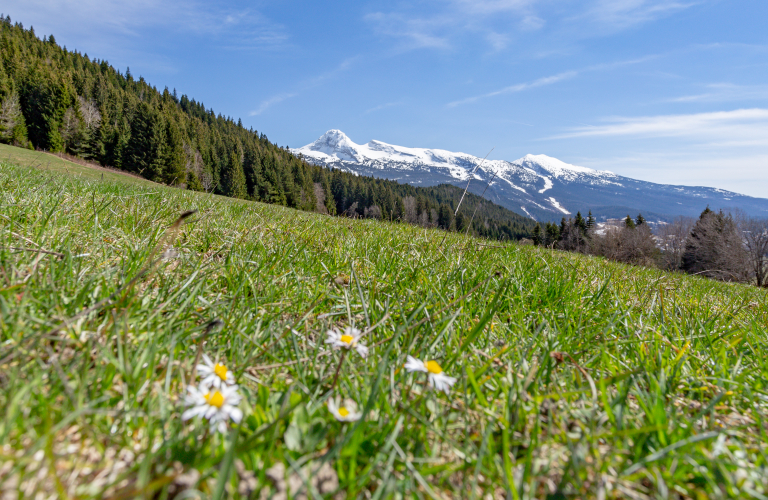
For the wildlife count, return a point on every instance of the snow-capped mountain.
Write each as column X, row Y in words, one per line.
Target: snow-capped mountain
column 540, row 186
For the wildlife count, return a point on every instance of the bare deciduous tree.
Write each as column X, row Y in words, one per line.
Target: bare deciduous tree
column 754, row 232
column 10, row 114
column 206, row 179
column 672, row 238
column 424, row 219
column 632, row 245
column 319, row 198
column 89, row 112
column 372, row 212
column 70, row 126
column 433, row 218
column 352, row 211
column 410, row 214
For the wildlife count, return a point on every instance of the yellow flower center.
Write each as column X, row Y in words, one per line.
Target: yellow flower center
column 216, row 399
column 347, row 339
column 343, row 412
column 221, row 371
column 433, row 367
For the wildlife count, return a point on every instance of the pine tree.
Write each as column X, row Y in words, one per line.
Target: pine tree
column 462, row 222
column 553, row 234
column 445, row 217
column 628, row 222
column 714, row 248
column 537, row 237
column 590, row 221
column 139, row 151
column 640, row 220
column 233, row 178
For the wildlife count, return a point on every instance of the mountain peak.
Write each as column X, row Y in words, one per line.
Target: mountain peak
column 333, row 139
column 543, row 164
column 332, row 144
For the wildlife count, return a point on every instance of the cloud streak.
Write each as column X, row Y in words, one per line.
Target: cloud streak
column 623, row 14
column 382, row 106
column 520, row 87
column 268, row 103
column 741, row 127
column 500, row 22
column 549, row 80
column 308, row 84
column 724, row 92
column 102, row 20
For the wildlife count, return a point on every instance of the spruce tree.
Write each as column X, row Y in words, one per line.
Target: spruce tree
column 628, row 222
column 537, row 237
column 590, row 221
column 233, row 178
column 445, row 217
column 640, row 220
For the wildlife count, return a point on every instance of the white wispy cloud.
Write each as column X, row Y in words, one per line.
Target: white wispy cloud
column 268, row 103
column 741, row 127
column 413, row 32
column 509, row 20
column 547, row 80
column 307, row 84
column 110, row 21
column 723, row 92
column 382, row 106
column 622, row 14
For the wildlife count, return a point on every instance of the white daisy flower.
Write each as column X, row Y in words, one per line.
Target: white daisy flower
column 214, row 374
column 216, row 405
column 348, row 340
column 435, row 375
column 344, row 411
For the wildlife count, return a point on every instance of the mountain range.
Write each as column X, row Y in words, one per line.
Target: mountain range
column 542, row 187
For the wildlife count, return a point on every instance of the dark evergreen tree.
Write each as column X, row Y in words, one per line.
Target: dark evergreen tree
column 628, row 222
column 714, row 248
column 553, row 234
column 537, row 236
column 233, row 177
column 445, row 217
column 590, row 221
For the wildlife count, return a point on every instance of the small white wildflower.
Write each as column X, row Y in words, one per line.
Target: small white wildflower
column 218, row 406
column 349, row 340
column 435, row 375
column 344, row 411
column 214, row 374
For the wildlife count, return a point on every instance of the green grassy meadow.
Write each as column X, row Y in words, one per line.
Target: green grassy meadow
column 577, row 377
column 50, row 162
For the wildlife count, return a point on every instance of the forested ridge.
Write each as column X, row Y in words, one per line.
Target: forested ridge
column 58, row 100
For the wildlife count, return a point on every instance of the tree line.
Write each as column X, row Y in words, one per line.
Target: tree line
column 727, row 246
column 58, row 100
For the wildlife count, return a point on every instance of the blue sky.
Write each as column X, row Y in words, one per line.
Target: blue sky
column 664, row 91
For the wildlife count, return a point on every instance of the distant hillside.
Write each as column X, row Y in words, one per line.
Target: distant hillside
column 58, row 100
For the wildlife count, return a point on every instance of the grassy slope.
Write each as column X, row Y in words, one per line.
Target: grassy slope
column 52, row 163
column 661, row 390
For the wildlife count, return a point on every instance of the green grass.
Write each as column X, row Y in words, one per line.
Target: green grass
column 577, row 377
column 50, row 162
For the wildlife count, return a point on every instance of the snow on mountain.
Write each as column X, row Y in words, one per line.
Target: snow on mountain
column 543, row 187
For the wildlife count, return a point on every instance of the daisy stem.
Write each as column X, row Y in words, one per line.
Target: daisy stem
column 338, row 369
